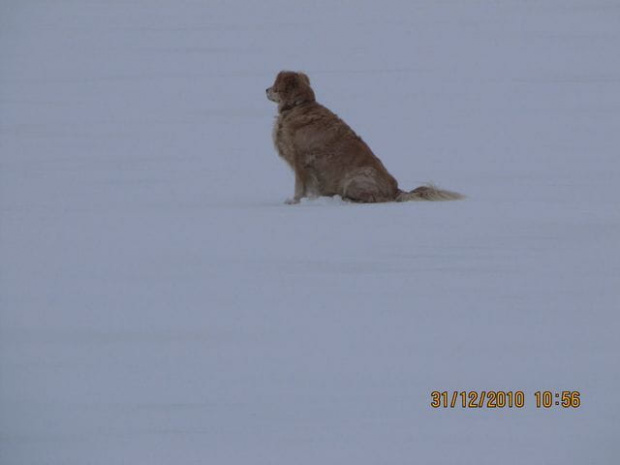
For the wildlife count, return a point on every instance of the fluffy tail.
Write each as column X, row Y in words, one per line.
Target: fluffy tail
column 428, row 192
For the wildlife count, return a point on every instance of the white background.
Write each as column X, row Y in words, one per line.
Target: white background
column 161, row 305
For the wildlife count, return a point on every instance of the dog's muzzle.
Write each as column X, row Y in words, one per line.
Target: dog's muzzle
column 270, row 95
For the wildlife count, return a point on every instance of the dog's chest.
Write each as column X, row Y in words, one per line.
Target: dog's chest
column 281, row 140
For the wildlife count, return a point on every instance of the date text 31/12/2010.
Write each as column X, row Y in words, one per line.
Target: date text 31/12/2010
column 504, row 399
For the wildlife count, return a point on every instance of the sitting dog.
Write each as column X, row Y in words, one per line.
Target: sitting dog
column 326, row 155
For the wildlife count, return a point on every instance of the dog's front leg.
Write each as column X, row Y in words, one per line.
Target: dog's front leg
column 300, row 190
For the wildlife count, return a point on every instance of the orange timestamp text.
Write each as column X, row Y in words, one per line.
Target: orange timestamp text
column 504, row 399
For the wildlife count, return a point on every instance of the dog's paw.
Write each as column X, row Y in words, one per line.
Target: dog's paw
column 292, row 201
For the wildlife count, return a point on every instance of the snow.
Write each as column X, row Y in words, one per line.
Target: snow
column 160, row 304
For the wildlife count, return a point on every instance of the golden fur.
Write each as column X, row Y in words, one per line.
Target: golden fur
column 326, row 155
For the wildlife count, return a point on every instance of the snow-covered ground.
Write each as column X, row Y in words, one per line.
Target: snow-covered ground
column 161, row 305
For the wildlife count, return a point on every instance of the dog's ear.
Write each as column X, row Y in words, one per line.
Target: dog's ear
column 281, row 77
column 304, row 78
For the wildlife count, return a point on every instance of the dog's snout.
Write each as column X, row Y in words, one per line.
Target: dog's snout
column 267, row 90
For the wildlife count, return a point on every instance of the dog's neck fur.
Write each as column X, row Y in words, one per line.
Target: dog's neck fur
column 284, row 107
column 304, row 96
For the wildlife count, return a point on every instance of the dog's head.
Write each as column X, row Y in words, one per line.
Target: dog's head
column 290, row 89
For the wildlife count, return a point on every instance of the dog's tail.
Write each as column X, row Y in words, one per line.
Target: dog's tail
column 428, row 192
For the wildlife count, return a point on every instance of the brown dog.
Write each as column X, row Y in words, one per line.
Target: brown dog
column 328, row 158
